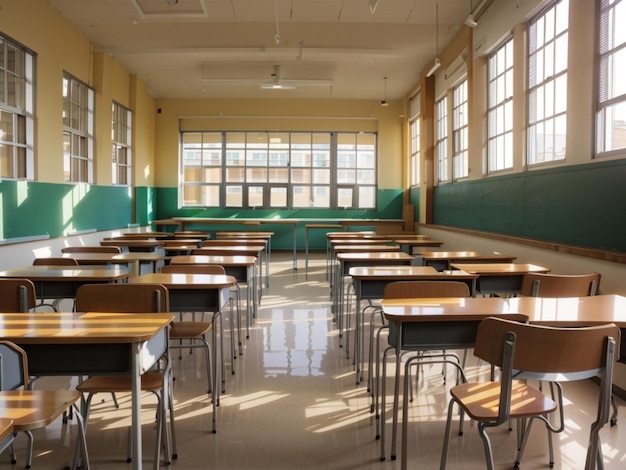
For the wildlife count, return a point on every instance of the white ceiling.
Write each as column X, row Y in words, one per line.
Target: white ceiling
column 232, row 45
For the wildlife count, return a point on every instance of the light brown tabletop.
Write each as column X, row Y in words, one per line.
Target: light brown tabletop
column 222, row 260
column 360, row 241
column 245, row 250
column 385, row 273
column 243, row 234
column 561, row 312
column 132, row 242
column 499, row 269
column 186, row 281
column 69, row 273
column 79, row 328
column 395, row 256
column 144, row 235
column 365, row 248
column 6, row 428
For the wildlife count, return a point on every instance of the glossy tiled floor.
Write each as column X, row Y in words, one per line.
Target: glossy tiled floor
column 293, row 404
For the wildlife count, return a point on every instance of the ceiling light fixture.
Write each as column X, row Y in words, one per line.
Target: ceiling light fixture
column 277, row 35
column 469, row 21
column 437, row 63
column 373, row 5
column 384, row 102
column 300, row 56
column 172, row 2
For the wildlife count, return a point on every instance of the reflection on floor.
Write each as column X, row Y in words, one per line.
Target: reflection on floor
column 293, row 404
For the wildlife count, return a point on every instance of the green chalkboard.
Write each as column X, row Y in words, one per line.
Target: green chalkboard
column 580, row 205
column 34, row 209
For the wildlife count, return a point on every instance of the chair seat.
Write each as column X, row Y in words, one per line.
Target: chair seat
column 189, row 329
column 481, row 400
column 34, row 409
column 150, row 381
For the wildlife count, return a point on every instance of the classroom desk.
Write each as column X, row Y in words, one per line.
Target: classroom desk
column 199, row 293
column 92, row 344
column 499, row 278
column 346, row 261
column 369, row 284
column 442, row 259
column 242, row 268
column 243, row 235
column 136, row 258
column 307, row 228
column 452, row 323
column 408, row 244
column 63, row 281
column 144, row 235
column 134, row 244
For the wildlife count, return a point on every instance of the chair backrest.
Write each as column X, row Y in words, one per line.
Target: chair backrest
column 91, row 249
column 13, row 366
column 560, row 285
column 55, row 262
column 193, row 269
column 418, row 289
column 547, row 353
column 17, row 295
column 122, row 298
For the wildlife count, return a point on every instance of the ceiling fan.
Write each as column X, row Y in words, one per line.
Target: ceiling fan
column 276, row 82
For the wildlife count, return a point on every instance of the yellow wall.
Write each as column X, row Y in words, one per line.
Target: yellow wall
column 143, row 131
column 280, row 115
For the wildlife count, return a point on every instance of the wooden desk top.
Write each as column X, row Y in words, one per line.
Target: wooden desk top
column 382, row 256
column 222, row 260
column 365, row 248
column 259, row 241
column 360, row 241
column 132, row 242
column 76, row 328
column 143, row 235
column 246, row 250
column 417, row 241
column 64, row 273
column 231, row 220
column 500, row 269
column 186, row 281
column 563, row 312
column 239, row 234
column 6, row 428
column 355, row 235
column 34, row 409
column 465, row 255
column 118, row 258
column 384, row 273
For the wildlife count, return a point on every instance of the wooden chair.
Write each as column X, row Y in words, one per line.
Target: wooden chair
column 132, row 298
column 525, row 352
column 560, row 285
column 17, row 295
column 54, row 262
column 34, row 409
column 405, row 290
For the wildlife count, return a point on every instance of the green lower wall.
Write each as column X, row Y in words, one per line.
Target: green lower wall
column 389, row 207
column 33, row 209
column 582, row 205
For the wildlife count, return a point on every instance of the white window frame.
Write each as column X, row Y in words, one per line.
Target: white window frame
column 122, row 139
column 415, row 150
column 500, row 108
column 17, row 85
column 547, row 84
column 611, row 95
column 441, row 139
column 460, row 131
column 78, row 130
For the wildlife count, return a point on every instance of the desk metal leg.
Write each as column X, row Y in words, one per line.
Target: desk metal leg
column 136, row 408
column 306, row 252
column 295, row 242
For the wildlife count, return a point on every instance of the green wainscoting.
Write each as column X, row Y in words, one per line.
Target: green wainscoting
column 582, row 205
column 32, row 209
column 389, row 207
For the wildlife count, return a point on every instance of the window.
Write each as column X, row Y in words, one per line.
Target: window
column 16, row 111
column 122, row 138
column 442, row 139
column 460, row 168
column 611, row 101
column 547, row 84
column 278, row 170
column 415, row 151
column 500, row 108
column 78, row 128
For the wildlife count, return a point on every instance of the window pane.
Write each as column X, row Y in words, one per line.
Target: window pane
column 278, row 197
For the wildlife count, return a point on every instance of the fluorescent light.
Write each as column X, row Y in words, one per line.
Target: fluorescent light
column 469, row 21
column 373, row 5
column 434, row 67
